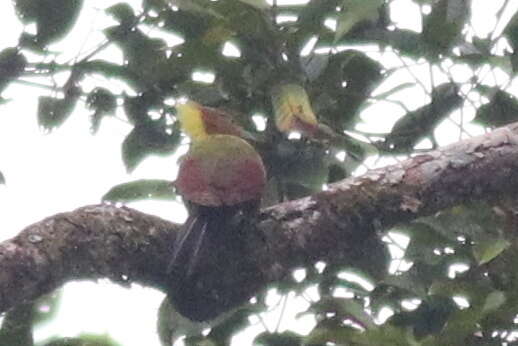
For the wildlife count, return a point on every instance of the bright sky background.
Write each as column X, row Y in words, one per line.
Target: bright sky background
column 70, row 168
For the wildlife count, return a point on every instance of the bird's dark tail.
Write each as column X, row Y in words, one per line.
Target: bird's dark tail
column 188, row 244
column 212, row 238
column 205, row 227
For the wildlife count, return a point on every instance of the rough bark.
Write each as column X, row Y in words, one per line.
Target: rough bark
column 125, row 245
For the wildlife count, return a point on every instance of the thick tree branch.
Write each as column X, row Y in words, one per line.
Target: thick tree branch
column 125, row 245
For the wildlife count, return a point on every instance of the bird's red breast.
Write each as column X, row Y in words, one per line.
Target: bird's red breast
column 221, row 170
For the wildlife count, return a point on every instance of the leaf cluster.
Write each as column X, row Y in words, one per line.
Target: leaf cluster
column 341, row 78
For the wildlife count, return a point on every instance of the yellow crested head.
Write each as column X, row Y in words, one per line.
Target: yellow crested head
column 190, row 116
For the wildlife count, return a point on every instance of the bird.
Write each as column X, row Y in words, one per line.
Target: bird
column 292, row 109
column 221, row 180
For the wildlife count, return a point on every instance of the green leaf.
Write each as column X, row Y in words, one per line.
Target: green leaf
column 259, row 4
column 310, row 19
column 324, row 335
column 494, row 301
column 408, row 282
column 429, row 318
column 424, row 239
column 354, row 12
column 122, row 12
column 418, row 124
column 52, row 112
column 511, row 31
column 345, row 309
column 487, row 250
column 461, row 324
column 302, row 166
column 83, row 340
column 148, row 137
column 385, row 335
column 278, row 339
column 141, row 189
column 103, row 102
column 53, row 18
column 477, row 221
column 336, row 105
column 172, row 325
column 168, row 323
column 442, row 28
column 12, row 65
column 203, row 7
column 145, row 57
column 223, row 332
column 191, row 26
column 502, row 109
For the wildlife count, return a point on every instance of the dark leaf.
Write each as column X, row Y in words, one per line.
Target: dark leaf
column 259, row 4
column 429, row 318
column 478, row 221
column 338, row 93
column 336, row 334
column 53, row 18
column 171, row 325
column 146, row 138
column 12, row 65
column 355, row 12
column 442, row 28
column 302, row 166
column 511, row 31
column 502, row 109
column 310, row 21
column 2, row 179
column 202, row 7
column 27, row 10
column 123, row 13
column 83, row 340
column 52, row 112
column 418, row 124
column 424, row 240
column 486, row 251
column 145, row 57
column 407, row 42
column 102, row 102
column 278, row 339
column 386, row 335
column 140, row 189
column 345, row 309
column 222, row 333
column 408, row 284
column 188, row 25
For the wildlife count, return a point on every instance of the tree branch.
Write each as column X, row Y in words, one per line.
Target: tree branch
column 125, row 245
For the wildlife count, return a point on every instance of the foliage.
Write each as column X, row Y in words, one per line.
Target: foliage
column 458, row 286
